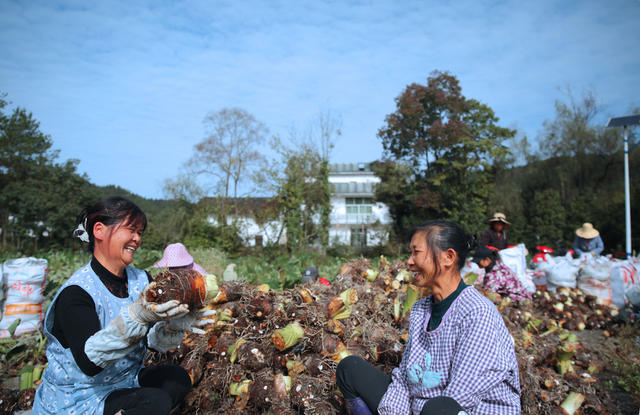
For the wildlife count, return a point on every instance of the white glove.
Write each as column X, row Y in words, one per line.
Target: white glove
column 146, row 312
column 122, row 334
column 119, row 338
column 167, row 335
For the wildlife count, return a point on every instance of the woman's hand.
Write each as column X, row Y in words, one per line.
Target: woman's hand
column 150, row 312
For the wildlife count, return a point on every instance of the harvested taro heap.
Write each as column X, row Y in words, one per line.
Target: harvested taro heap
column 187, row 286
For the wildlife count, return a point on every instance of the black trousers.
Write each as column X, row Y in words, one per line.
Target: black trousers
column 161, row 389
column 357, row 378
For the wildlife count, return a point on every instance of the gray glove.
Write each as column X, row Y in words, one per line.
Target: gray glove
column 146, row 312
column 119, row 338
column 167, row 335
column 122, row 334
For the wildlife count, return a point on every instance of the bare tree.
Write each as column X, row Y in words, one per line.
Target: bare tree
column 229, row 151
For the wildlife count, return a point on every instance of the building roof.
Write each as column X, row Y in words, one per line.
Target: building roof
column 350, row 168
column 353, row 189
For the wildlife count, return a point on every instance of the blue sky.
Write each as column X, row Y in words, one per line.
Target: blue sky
column 124, row 86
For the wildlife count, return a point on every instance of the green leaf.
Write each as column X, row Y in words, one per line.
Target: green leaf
column 12, row 328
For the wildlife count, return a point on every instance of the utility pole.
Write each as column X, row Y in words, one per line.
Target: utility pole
column 626, row 122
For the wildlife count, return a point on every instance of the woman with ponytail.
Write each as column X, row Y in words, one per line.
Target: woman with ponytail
column 459, row 357
column 99, row 325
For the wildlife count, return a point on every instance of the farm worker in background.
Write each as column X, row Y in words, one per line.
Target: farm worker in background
column 588, row 240
column 498, row 277
column 97, row 323
column 311, row 274
column 459, row 355
column 495, row 235
column 176, row 257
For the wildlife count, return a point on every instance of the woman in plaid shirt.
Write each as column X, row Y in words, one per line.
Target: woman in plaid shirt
column 459, row 356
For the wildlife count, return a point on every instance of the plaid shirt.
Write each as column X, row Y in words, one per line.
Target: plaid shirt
column 469, row 357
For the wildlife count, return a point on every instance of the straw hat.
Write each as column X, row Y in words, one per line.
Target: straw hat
column 499, row 217
column 175, row 255
column 587, row 231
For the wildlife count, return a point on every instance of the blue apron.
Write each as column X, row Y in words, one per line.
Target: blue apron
column 65, row 388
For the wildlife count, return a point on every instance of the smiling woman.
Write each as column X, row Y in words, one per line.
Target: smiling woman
column 459, row 356
column 97, row 323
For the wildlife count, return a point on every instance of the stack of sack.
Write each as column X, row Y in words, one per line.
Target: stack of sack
column 625, row 282
column 615, row 282
column 24, row 281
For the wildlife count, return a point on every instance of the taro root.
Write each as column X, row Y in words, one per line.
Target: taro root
column 261, row 392
column 260, row 307
column 335, row 327
column 186, row 286
column 288, row 336
column 294, row 367
column 281, row 386
column 305, row 295
column 229, row 291
column 304, row 390
column 572, row 403
column 315, row 365
column 326, row 343
column 224, row 341
column 389, row 352
column 254, row 356
column 193, row 365
column 340, row 306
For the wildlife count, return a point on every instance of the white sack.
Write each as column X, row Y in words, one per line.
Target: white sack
column 25, row 279
column 594, row 278
column 633, row 294
column 516, row 259
column 539, row 278
column 624, row 276
column 562, row 272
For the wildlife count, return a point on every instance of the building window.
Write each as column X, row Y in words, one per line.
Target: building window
column 359, row 236
column 359, row 208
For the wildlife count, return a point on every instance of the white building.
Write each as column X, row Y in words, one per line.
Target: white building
column 355, row 218
column 244, row 213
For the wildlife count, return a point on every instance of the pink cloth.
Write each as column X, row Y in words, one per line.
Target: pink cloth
column 199, row 269
column 504, row 281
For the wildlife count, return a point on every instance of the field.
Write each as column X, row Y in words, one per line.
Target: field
column 600, row 361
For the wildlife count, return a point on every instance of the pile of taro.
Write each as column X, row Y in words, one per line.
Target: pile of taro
column 275, row 352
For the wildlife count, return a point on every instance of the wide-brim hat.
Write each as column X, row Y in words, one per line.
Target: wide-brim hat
column 587, row 231
column 499, row 217
column 175, row 255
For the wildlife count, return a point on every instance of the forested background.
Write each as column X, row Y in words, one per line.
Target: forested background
column 445, row 156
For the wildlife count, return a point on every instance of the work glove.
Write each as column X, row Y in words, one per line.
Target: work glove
column 123, row 333
column 167, row 335
column 147, row 312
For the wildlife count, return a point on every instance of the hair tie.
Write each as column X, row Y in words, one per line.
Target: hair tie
column 81, row 233
column 471, row 241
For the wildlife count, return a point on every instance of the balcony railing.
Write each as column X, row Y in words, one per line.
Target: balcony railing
column 353, row 219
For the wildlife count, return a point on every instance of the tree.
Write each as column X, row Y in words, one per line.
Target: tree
column 451, row 145
column 574, row 134
column 299, row 177
column 228, row 153
column 39, row 198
